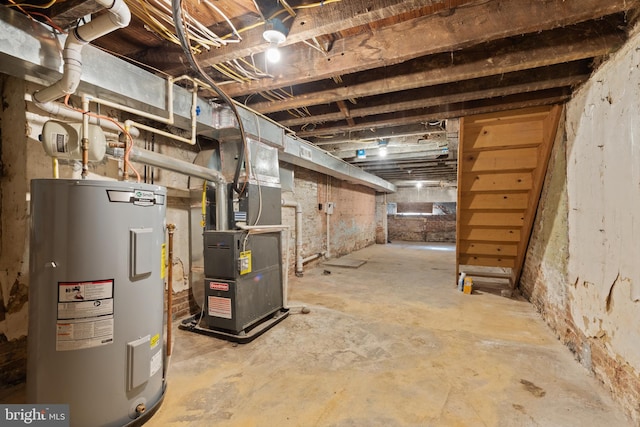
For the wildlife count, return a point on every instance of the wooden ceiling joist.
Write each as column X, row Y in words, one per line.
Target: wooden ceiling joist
column 470, row 25
column 539, row 51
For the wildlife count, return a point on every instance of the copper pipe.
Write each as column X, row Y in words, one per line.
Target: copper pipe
column 85, row 157
column 170, row 228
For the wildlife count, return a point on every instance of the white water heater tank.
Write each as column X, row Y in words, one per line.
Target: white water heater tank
column 96, row 295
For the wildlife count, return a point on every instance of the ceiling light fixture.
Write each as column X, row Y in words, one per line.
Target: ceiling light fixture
column 275, row 33
column 382, row 147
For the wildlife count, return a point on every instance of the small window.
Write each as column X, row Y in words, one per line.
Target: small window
column 414, row 208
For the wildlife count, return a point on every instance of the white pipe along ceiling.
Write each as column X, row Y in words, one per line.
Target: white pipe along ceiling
column 124, row 83
column 119, row 16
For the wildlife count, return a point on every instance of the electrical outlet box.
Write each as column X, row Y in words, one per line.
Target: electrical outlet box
column 330, row 206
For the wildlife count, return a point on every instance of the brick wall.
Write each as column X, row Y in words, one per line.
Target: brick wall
column 13, row 361
column 352, row 225
column 581, row 264
column 183, row 304
column 14, row 232
column 438, row 227
column 544, row 282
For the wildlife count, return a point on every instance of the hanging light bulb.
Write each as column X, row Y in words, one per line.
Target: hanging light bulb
column 272, row 53
column 275, row 33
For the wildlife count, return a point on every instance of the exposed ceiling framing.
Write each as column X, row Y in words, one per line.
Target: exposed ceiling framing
column 360, row 73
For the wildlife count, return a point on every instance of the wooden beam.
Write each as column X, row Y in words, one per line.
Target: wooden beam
column 469, row 25
column 417, row 165
column 550, row 96
column 468, row 90
column 308, row 23
column 403, row 131
column 534, row 52
column 345, row 113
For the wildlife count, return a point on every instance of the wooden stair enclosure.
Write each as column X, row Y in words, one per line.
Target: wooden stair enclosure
column 503, row 161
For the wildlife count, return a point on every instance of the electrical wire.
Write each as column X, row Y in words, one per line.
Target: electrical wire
column 20, row 6
column 184, row 42
column 33, row 6
column 158, row 18
column 233, row 28
column 48, row 19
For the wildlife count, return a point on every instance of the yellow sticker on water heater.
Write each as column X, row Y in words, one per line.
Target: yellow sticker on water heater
column 163, row 260
column 155, row 340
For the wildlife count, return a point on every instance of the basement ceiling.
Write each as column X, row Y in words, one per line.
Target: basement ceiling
column 375, row 75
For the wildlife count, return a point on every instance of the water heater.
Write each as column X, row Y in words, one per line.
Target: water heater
column 96, row 295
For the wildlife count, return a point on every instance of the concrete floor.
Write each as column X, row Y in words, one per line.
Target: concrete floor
column 391, row 343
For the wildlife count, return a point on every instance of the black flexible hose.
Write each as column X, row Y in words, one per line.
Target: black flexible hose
column 176, row 6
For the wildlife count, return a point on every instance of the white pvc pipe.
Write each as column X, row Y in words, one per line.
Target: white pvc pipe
column 328, row 252
column 312, row 257
column 298, row 232
column 118, row 17
column 163, row 133
column 326, row 206
column 60, row 110
column 168, row 120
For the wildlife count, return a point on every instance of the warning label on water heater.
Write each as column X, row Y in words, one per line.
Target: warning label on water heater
column 85, row 314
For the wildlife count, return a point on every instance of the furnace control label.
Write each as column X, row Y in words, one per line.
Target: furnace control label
column 85, row 314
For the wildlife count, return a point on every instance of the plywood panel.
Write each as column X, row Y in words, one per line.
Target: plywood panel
column 491, row 219
column 490, row 234
column 496, row 181
column 500, row 160
column 495, row 201
column 475, row 248
column 523, row 115
column 507, row 262
column 500, row 135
